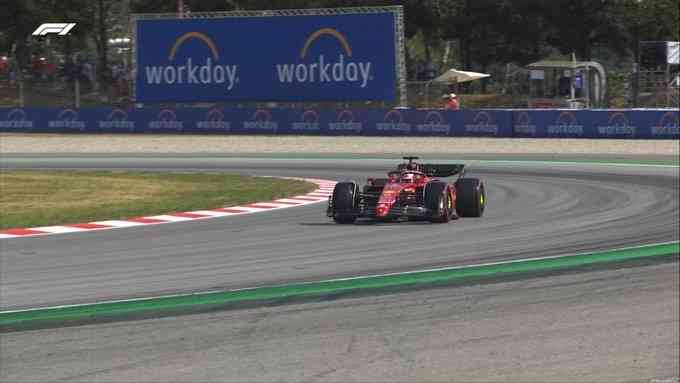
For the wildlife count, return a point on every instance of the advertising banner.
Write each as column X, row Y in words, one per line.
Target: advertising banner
column 623, row 124
column 612, row 123
column 551, row 124
column 302, row 58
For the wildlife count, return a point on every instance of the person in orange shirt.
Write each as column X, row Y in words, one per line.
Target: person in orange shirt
column 450, row 101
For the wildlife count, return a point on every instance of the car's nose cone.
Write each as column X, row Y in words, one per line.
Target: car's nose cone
column 382, row 209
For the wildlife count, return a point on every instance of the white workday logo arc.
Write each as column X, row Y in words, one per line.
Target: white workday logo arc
column 323, row 69
column 482, row 123
column 117, row 119
column 309, row 121
column 394, row 122
column 345, row 122
column 523, row 125
column 435, row 123
column 166, row 119
column 566, row 124
column 668, row 125
column 214, row 119
column 67, row 119
column 261, row 120
column 190, row 73
column 617, row 125
column 16, row 119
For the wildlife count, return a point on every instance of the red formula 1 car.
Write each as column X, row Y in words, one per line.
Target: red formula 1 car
column 411, row 191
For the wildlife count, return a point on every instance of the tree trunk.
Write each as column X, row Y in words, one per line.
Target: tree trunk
column 426, row 45
column 22, row 60
column 485, row 57
column 466, row 44
column 101, row 40
column 587, row 53
column 465, row 39
column 485, row 66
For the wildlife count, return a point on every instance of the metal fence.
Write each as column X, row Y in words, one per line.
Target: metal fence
column 49, row 87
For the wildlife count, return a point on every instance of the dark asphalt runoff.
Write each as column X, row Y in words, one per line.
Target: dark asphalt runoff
column 533, row 210
column 611, row 325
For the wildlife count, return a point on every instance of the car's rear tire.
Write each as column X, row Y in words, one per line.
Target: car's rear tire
column 438, row 201
column 470, row 197
column 344, row 201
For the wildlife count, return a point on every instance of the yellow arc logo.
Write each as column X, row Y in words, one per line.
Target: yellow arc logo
column 326, row 31
column 192, row 70
column 194, row 35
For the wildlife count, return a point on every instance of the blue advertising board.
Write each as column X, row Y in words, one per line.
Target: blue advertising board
column 630, row 124
column 612, row 123
column 550, row 123
column 292, row 58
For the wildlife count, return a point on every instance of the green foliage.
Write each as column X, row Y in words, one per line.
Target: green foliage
column 653, row 20
column 616, row 89
column 483, row 34
column 153, row 6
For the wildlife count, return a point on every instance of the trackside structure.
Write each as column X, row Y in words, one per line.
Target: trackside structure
column 288, row 56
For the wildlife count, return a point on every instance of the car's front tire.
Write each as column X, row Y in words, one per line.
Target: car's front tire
column 344, row 202
column 438, row 201
column 470, row 197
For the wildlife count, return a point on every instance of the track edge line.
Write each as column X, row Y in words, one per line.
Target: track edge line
column 44, row 316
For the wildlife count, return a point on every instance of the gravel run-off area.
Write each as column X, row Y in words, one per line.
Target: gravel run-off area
column 239, row 144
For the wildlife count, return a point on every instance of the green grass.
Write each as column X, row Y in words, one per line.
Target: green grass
column 41, row 198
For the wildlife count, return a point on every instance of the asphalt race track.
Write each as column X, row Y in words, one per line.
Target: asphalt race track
column 610, row 324
column 533, row 210
column 617, row 325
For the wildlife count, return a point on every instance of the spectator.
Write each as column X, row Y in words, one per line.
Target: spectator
column 4, row 65
column 450, row 101
column 12, row 76
column 51, row 71
column 88, row 72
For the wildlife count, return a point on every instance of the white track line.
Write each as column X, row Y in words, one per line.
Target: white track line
column 58, row 229
column 170, row 218
column 118, row 223
column 212, row 213
column 316, row 196
column 359, row 277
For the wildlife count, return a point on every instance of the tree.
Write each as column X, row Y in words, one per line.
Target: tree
column 577, row 25
column 657, row 20
column 19, row 19
column 102, row 14
column 153, row 6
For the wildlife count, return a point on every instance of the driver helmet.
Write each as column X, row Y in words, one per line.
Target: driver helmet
column 407, row 177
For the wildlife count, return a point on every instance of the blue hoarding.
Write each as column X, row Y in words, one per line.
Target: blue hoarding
column 645, row 124
column 293, row 58
column 612, row 123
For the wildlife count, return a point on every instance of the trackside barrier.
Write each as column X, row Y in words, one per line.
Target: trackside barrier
column 642, row 124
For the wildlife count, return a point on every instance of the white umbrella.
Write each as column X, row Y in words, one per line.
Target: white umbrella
column 454, row 75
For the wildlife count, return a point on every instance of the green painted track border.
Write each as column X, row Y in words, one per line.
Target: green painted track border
column 205, row 301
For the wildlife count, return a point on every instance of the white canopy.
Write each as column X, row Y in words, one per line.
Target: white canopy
column 673, row 52
column 454, row 75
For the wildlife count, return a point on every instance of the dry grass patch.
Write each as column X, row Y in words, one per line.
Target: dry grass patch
column 39, row 198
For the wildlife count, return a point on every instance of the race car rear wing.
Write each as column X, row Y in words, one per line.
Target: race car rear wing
column 443, row 170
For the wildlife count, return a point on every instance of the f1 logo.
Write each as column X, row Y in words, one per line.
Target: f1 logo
column 54, row 28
